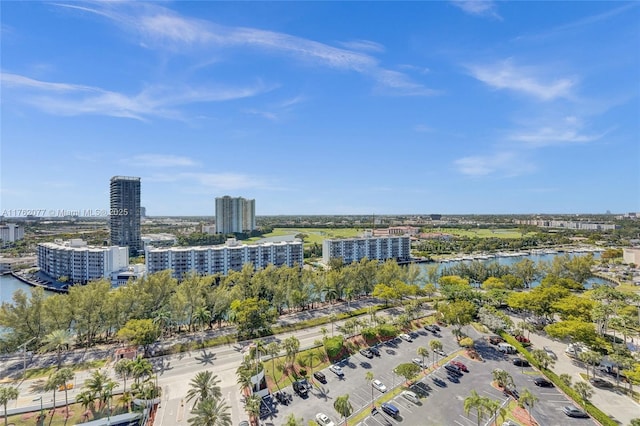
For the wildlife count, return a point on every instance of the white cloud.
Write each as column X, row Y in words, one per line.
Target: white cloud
column 363, row 45
column 527, row 80
column 478, row 7
column 569, row 130
column 159, row 160
column 164, row 29
column 158, row 101
column 501, row 163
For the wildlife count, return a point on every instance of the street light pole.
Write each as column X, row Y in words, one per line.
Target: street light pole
column 24, row 356
column 41, row 407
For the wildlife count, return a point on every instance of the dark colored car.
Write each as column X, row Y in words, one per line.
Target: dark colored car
column 574, row 412
column 542, row 382
column 374, row 350
column 520, row 362
column 452, row 377
column 366, row 353
column 390, row 409
column 600, row 383
column 320, row 377
column 430, row 328
column 453, row 369
column 522, row 339
column 439, row 382
column 460, row 365
column 300, row 388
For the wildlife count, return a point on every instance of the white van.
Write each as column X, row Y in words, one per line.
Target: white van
column 411, row 396
column 506, row 348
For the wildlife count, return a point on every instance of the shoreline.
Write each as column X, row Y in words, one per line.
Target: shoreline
column 25, row 280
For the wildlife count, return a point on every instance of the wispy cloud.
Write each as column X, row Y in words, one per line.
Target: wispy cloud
column 363, row 45
column 528, row 80
column 159, row 160
column 155, row 101
column 504, row 163
column 162, row 28
column 569, row 130
column 478, row 7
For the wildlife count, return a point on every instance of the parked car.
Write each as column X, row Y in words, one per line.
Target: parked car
column 378, row 385
column 572, row 411
column 438, row 381
column 430, row 327
column 550, row 352
column 542, row 382
column 460, row 365
column 390, row 409
column 406, row 337
column 453, row 378
column 418, row 362
column 374, row 350
column 600, row 383
column 414, row 335
column 300, row 388
column 337, row 370
column 436, row 326
column 410, row 396
column 453, row 369
column 520, row 338
column 366, row 353
column 283, row 397
column 494, row 340
column 320, row 377
column 520, row 362
column 440, row 352
column 324, row 420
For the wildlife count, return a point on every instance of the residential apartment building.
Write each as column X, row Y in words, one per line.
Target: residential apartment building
column 577, row 225
column 235, row 215
column 222, row 259
column 374, row 248
column 124, row 218
column 11, row 232
column 79, row 262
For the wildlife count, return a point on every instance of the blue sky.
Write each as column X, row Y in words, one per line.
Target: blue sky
column 323, row 107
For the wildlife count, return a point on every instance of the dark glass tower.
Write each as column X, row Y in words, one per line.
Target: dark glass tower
column 124, row 216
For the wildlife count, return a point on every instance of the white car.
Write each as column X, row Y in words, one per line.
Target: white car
column 324, row 420
column 337, row 370
column 406, row 337
column 408, row 395
column 418, row 362
column 378, row 385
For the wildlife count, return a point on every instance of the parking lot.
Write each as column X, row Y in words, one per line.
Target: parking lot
column 442, row 404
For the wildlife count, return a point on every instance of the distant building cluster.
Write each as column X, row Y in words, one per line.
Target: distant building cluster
column 395, row 230
column 11, row 232
column 566, row 224
column 235, row 215
column 79, row 262
column 222, row 259
column 373, row 248
column 159, row 240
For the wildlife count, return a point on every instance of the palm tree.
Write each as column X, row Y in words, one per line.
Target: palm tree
column 96, row 383
column 52, row 385
column 343, row 407
column 141, row 367
column 495, row 409
column 312, row 355
column 291, row 346
column 436, row 346
column 58, row 340
column 584, row 390
column 368, row 376
column 502, row 378
column 475, row 402
column 107, row 393
column 86, row 399
column 528, row 399
column 65, row 375
column 332, row 318
column 211, row 412
column 162, row 318
column 324, row 332
column 125, row 399
column 252, row 405
column 7, row 393
column 203, row 386
column 202, row 316
column 423, row 352
column 590, row 358
column 244, row 378
column 291, row 420
column 123, row 369
column 273, row 349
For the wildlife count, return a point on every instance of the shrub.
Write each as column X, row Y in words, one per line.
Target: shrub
column 369, row 333
column 333, row 346
column 387, row 330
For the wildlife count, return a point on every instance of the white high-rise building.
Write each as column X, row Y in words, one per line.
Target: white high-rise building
column 11, row 233
column 79, row 262
column 235, row 215
column 373, row 248
column 222, row 259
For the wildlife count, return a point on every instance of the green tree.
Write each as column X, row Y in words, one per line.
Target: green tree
column 590, row 358
column 436, row 347
column 565, row 378
column 141, row 368
column 58, row 340
column 423, row 352
column 7, row 393
column 407, row 370
column 65, row 376
column 584, row 391
column 140, row 332
column 385, row 292
column 502, row 378
column 578, row 331
column 124, row 369
column 292, row 420
column 542, row 358
column 86, row 399
column 201, row 316
column 343, row 407
column 527, row 400
column 458, row 313
column 291, row 346
column 253, row 317
column 203, row 386
column 52, row 385
column 252, row 405
column 477, row 403
column 211, row 412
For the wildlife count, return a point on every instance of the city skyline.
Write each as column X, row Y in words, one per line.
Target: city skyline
column 323, row 108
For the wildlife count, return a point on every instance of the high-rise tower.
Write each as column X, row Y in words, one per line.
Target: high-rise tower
column 124, row 216
column 234, row 215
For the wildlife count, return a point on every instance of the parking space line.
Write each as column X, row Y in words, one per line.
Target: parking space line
column 403, row 404
column 466, row 418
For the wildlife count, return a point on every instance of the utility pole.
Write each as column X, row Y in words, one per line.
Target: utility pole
column 24, row 356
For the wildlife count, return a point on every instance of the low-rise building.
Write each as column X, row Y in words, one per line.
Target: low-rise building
column 631, row 255
column 222, row 259
column 80, row 263
column 373, row 248
column 159, row 240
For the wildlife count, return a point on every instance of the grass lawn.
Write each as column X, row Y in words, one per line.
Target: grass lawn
column 76, row 411
column 314, row 235
column 508, row 233
column 278, row 379
column 35, row 373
